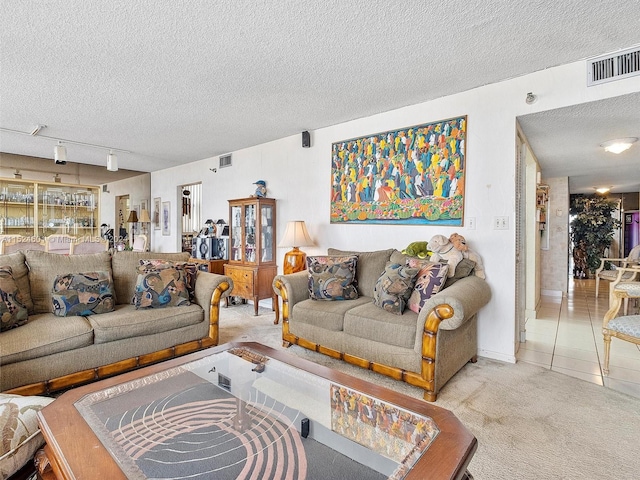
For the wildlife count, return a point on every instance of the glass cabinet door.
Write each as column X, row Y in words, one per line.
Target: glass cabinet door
column 17, row 208
column 250, row 233
column 266, row 240
column 66, row 210
column 235, row 233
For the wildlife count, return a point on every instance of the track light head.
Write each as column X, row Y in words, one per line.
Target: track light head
column 112, row 162
column 60, row 154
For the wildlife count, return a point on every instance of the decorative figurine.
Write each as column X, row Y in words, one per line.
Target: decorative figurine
column 261, row 189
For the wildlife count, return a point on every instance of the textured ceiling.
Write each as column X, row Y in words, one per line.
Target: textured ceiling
column 178, row 81
column 567, row 140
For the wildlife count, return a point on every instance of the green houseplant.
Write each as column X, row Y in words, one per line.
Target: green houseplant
column 592, row 228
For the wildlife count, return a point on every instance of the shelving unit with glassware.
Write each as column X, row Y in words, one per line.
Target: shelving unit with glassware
column 41, row 209
column 252, row 249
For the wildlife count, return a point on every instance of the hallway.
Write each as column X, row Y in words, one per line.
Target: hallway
column 567, row 338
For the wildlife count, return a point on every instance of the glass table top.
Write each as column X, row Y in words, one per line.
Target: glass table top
column 239, row 414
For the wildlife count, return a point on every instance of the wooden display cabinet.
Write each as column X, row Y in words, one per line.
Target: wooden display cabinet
column 41, row 209
column 252, row 249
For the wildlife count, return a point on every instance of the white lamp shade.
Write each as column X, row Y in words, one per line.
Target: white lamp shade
column 144, row 216
column 296, row 235
column 112, row 162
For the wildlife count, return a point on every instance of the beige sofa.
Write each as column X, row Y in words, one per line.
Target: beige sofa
column 424, row 349
column 50, row 353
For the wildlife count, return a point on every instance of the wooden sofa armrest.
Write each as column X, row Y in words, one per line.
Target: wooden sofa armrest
column 210, row 288
column 292, row 288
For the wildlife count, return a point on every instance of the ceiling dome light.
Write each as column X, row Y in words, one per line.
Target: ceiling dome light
column 619, row 145
column 603, row 190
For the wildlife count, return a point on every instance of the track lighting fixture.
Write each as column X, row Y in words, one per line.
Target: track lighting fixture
column 530, row 99
column 60, row 154
column 60, row 151
column 17, row 174
column 112, row 162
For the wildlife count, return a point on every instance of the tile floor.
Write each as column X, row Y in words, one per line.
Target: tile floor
column 567, row 337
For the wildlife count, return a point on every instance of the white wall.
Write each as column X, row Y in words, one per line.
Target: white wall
column 300, row 179
column 138, row 188
column 555, row 261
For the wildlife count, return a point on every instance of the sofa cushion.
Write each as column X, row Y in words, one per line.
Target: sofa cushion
column 370, row 267
column 429, row 281
column 13, row 311
column 45, row 267
column 332, row 277
column 327, row 315
column 161, row 288
column 29, row 341
column 125, row 274
column 372, row 323
column 21, row 437
column 20, row 273
column 394, row 287
column 89, row 293
column 125, row 321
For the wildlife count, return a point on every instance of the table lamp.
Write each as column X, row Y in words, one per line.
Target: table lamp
column 144, row 218
column 295, row 235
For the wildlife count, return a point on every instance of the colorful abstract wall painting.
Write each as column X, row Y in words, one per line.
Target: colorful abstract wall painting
column 413, row 175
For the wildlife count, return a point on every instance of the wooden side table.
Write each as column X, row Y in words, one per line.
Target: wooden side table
column 253, row 283
column 213, row 266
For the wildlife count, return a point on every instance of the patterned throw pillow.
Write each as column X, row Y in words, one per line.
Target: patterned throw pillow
column 21, row 437
column 394, row 287
column 430, row 279
column 83, row 294
column 190, row 269
column 13, row 311
column 332, row 277
column 159, row 288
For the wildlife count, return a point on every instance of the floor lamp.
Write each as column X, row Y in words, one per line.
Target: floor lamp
column 133, row 218
column 295, row 236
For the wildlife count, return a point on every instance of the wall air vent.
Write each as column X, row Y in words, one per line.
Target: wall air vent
column 614, row 66
column 225, row 161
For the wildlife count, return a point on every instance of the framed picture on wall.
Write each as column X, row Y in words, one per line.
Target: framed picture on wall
column 166, row 218
column 156, row 213
column 413, row 175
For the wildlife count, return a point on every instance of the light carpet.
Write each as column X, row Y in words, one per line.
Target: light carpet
column 530, row 422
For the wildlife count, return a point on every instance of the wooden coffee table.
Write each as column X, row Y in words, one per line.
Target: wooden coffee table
column 257, row 399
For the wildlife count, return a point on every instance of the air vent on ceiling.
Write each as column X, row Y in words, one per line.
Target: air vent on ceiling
column 225, row 161
column 614, row 66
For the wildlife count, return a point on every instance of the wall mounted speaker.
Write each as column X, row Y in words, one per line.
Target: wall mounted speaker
column 306, row 139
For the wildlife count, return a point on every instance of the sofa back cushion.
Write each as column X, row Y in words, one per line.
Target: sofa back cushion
column 20, row 274
column 369, row 268
column 125, row 270
column 44, row 267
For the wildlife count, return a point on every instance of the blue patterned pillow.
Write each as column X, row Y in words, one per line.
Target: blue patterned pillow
column 429, row 281
column 394, row 287
column 332, row 277
column 165, row 287
column 13, row 311
column 83, row 294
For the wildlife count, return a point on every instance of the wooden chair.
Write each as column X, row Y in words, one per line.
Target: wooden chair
column 140, row 243
column 612, row 275
column 59, row 243
column 84, row 245
column 26, row 243
column 626, row 327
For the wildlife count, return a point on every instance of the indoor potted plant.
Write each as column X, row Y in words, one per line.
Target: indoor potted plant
column 592, row 228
